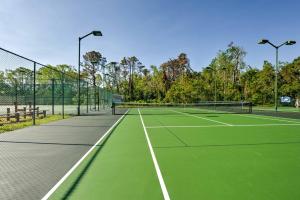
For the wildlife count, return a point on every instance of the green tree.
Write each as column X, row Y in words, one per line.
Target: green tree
column 264, row 91
column 290, row 79
column 91, row 65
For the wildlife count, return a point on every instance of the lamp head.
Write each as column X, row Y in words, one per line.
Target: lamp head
column 263, row 41
column 290, row 42
column 97, row 33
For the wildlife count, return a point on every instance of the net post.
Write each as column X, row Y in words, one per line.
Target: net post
column 250, row 107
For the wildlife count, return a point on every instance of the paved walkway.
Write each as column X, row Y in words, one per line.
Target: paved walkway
column 33, row 159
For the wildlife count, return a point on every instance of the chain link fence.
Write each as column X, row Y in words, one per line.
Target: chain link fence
column 30, row 90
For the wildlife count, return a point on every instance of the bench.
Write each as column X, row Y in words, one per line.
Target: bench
column 22, row 112
column 30, row 110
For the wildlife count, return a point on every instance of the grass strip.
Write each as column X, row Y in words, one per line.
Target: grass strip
column 15, row 126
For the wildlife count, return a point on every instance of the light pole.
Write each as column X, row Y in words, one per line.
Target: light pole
column 289, row 42
column 95, row 33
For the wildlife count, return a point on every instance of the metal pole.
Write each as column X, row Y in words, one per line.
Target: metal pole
column 87, row 97
column 276, row 80
column 95, row 97
column 63, row 95
column 53, row 96
column 78, row 108
column 224, row 92
column 16, row 91
column 129, row 82
column 105, row 91
column 215, row 88
column 98, row 95
column 103, row 97
column 34, row 95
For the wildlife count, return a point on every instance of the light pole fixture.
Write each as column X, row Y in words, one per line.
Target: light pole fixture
column 95, row 33
column 289, row 43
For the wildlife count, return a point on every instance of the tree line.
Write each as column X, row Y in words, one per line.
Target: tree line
column 226, row 78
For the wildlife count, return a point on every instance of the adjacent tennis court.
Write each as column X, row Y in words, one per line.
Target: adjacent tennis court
column 189, row 153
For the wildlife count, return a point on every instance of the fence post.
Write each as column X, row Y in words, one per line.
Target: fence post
column 98, row 95
column 87, row 97
column 113, row 109
column 38, row 112
column 95, row 97
column 17, row 117
column 8, row 114
column 16, row 87
column 78, row 107
column 103, row 97
column 16, row 106
column 63, row 95
column 34, row 95
column 24, row 110
column 52, row 82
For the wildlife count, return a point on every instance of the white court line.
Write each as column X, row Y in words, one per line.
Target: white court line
column 268, row 118
column 158, row 172
column 81, row 159
column 186, row 126
column 202, row 118
column 259, row 117
column 280, row 110
column 212, row 126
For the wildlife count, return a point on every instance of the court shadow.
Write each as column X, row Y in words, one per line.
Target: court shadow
column 88, row 164
column 45, row 143
column 66, row 125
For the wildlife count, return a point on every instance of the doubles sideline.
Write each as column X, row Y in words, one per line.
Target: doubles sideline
column 244, row 115
column 213, row 126
column 55, row 187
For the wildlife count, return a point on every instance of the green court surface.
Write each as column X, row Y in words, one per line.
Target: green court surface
column 178, row 155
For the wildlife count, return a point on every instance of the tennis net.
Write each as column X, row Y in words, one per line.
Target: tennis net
column 121, row 108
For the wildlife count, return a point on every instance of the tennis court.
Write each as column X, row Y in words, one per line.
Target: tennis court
column 184, row 153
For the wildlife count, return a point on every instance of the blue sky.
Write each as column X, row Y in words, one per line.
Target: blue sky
column 152, row 30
